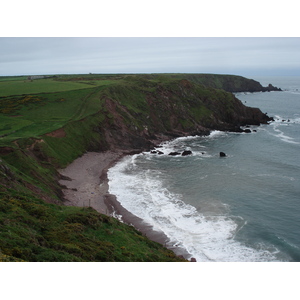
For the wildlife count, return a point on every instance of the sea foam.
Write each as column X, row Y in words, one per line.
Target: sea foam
column 145, row 193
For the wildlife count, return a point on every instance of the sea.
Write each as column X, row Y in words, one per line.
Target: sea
column 244, row 207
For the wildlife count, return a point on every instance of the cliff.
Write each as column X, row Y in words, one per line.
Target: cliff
column 229, row 83
column 127, row 113
column 142, row 111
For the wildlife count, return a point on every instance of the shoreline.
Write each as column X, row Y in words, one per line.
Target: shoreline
column 85, row 184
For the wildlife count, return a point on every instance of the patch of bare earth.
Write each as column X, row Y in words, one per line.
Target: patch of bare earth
column 59, row 133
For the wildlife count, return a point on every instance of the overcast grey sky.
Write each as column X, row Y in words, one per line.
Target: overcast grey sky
column 247, row 56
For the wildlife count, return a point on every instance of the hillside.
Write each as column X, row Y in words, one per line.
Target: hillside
column 44, row 129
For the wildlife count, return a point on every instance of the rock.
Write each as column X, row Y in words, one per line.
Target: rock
column 222, row 154
column 193, row 259
column 186, row 152
column 247, row 130
column 156, row 152
column 174, row 153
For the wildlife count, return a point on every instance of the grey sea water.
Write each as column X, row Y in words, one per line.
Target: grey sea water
column 244, row 207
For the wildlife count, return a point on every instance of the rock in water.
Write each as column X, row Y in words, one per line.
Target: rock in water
column 222, row 154
column 186, row 152
column 174, row 153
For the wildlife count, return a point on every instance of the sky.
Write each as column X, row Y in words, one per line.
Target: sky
column 245, row 56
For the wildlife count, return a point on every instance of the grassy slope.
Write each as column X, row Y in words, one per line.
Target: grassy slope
column 32, row 230
column 20, row 86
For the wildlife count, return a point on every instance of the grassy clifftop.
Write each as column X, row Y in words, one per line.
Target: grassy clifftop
column 47, row 123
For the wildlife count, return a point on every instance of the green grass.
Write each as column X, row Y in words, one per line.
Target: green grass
column 33, row 108
column 13, row 78
column 32, row 230
column 47, row 85
column 21, row 87
column 51, row 112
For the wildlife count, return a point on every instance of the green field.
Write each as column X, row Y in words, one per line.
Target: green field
column 32, row 108
column 22, row 86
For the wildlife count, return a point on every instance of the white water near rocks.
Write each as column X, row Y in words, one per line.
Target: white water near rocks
column 243, row 207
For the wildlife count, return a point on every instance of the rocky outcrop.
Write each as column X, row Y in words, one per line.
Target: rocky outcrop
column 174, row 153
column 271, row 88
column 186, row 152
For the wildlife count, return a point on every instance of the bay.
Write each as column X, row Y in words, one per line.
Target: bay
column 243, row 207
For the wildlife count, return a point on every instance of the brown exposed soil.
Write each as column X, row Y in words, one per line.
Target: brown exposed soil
column 59, row 133
column 6, row 150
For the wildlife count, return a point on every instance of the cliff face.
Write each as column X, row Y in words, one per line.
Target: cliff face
column 229, row 83
column 142, row 111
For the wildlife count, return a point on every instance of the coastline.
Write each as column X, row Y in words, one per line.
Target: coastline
column 85, row 184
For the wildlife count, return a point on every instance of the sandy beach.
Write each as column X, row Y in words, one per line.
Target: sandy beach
column 85, row 184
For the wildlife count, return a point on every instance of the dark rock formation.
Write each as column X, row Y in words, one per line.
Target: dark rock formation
column 186, row 152
column 270, row 88
column 222, row 154
column 174, row 153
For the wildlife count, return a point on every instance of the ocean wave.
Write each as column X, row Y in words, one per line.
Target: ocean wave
column 280, row 125
column 286, row 120
column 207, row 237
column 178, row 145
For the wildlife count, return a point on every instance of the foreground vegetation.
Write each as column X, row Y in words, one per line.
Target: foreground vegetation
column 32, row 230
column 46, row 123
